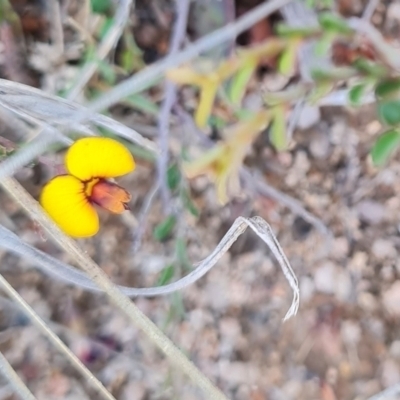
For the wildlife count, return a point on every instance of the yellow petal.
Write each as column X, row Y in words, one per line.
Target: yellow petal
column 64, row 199
column 98, row 157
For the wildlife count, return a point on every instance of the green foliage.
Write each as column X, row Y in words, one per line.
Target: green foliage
column 286, row 31
column 324, row 43
column 356, row 93
column 101, row 6
column 387, row 88
column 181, row 254
column 389, row 112
column 320, row 3
column 287, row 60
column 240, row 81
column 164, row 229
column 333, row 23
column 385, row 146
column 166, row 275
column 142, row 103
column 188, row 203
column 173, row 177
column 107, row 71
column 370, row 68
column 277, row 133
column 7, row 14
column 132, row 56
column 107, row 24
column 332, row 75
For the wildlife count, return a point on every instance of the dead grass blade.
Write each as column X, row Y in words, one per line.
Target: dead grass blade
column 16, row 382
column 55, row 340
column 41, row 108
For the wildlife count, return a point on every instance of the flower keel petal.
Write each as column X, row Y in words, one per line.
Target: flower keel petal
column 64, row 200
column 110, row 196
column 98, row 157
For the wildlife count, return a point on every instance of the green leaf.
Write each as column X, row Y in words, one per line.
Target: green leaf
column 164, row 229
column 389, row 112
column 181, row 254
column 166, row 275
column 334, row 73
column 107, row 72
column 385, row 146
column 287, row 60
column 239, row 82
column 188, row 203
column 324, row 44
column 173, row 177
column 387, row 88
column 107, row 24
column 356, row 93
column 277, row 133
column 285, row 30
column 101, row 6
column 142, row 103
column 132, row 56
column 333, row 23
column 176, row 311
column 370, row 68
column 321, row 90
column 217, row 122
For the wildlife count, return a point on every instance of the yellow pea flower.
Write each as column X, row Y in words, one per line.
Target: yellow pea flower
column 69, row 199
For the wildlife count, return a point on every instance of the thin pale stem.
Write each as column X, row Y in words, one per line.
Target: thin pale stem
column 56, row 28
column 16, row 382
column 57, row 342
column 65, row 272
column 182, row 9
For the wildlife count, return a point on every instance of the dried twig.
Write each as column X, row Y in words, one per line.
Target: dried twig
column 8, row 372
column 182, row 11
column 58, row 343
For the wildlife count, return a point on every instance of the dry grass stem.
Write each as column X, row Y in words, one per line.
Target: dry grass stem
column 54, row 339
column 16, row 382
column 178, row 36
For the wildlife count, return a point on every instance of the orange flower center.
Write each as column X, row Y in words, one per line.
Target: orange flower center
column 107, row 195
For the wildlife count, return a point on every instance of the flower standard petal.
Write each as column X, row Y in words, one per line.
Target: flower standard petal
column 64, row 200
column 98, row 157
